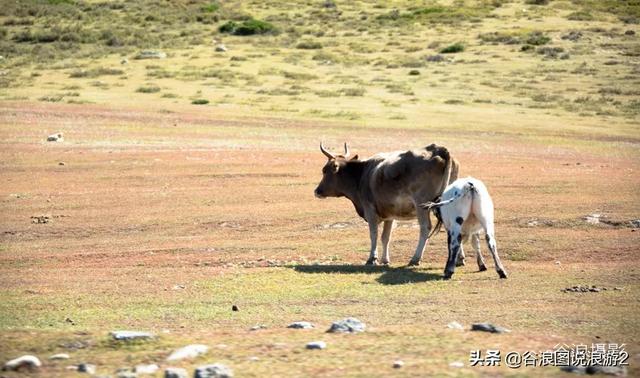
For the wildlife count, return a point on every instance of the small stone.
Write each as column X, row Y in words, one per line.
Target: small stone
column 221, row 48
column 55, row 138
column 235, row 308
column 254, row 358
column 124, row 61
column 347, row 325
column 146, row 369
column 24, row 362
column 593, row 218
column 594, row 289
column 455, row 325
column 189, row 351
column 131, row 335
column 316, row 345
column 456, row 364
column 87, row 368
column 172, row 372
column 258, row 327
column 61, row 163
column 398, row 364
column 125, row 373
column 213, row 371
column 617, row 288
column 487, row 327
column 301, row 325
column 59, row 356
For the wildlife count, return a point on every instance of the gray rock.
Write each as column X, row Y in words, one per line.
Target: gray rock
column 455, row 325
column 124, row 61
column 146, row 369
column 258, row 327
column 347, row 325
column 221, row 48
column 172, row 372
column 487, row 327
column 435, row 58
column 593, row 218
column 131, row 335
column 189, row 351
column 618, row 371
column 59, row 356
column 125, row 373
column 23, row 362
column 213, row 371
column 301, row 325
column 398, row 364
column 316, row 345
column 456, row 364
column 55, row 138
column 87, row 368
column 150, row 54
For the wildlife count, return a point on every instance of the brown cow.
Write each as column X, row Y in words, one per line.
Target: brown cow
column 389, row 186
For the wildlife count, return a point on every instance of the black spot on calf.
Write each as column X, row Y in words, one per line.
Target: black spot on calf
column 459, row 238
column 459, row 220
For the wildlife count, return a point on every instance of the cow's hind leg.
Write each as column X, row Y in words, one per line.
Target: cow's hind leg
column 454, row 237
column 475, row 242
column 425, row 228
column 460, row 259
column 386, row 237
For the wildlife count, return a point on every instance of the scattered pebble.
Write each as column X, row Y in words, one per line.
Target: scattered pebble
column 27, row 361
column 456, row 364
column 40, row 219
column 146, row 369
column 301, row 325
column 347, row 325
column 61, row 163
column 189, row 351
column 254, row 358
column 487, row 327
column 172, row 372
column 584, row 289
column 59, row 356
column 397, row 364
column 131, row 335
column 593, row 218
column 221, row 48
column 213, row 371
column 87, row 368
column 316, row 345
column 455, row 325
column 58, row 137
column 235, row 308
column 258, row 327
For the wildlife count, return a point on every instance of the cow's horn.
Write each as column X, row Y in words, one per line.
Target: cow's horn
column 325, row 152
column 346, row 150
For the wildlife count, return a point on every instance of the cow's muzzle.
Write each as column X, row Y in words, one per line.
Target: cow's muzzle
column 319, row 193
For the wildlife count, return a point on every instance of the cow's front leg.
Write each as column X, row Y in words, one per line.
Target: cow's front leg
column 373, row 234
column 386, row 237
column 425, row 228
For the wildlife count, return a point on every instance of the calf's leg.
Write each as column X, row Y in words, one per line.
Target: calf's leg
column 475, row 242
column 454, row 237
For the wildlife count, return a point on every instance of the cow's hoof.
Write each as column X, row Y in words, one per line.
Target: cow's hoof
column 460, row 263
column 447, row 276
column 482, row 268
column 414, row 263
column 502, row 274
column 385, row 263
column 372, row 261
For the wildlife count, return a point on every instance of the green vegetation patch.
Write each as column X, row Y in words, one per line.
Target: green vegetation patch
column 248, row 27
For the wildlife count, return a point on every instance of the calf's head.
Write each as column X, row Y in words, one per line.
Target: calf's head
column 333, row 181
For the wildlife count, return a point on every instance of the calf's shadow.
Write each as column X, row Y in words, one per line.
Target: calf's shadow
column 389, row 276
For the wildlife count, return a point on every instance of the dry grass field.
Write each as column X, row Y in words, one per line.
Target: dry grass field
column 160, row 214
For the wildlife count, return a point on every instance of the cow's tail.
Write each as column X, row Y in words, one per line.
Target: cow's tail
column 450, row 174
column 435, row 206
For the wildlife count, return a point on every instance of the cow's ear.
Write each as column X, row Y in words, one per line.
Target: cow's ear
column 355, row 157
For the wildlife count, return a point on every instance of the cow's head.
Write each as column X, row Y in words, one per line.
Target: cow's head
column 331, row 184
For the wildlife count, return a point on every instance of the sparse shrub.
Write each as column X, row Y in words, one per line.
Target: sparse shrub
column 537, row 38
column 148, row 89
column 580, row 16
column 200, row 101
column 454, row 102
column 451, row 49
column 537, row 2
column 414, row 73
column 435, row 58
column 354, row 92
column 527, row 48
column 298, row 75
column 170, row 95
column 211, row 8
column 51, row 98
column 95, row 72
column 309, row 45
column 248, row 27
column 550, row 52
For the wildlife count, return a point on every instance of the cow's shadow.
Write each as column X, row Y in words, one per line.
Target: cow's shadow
column 389, row 276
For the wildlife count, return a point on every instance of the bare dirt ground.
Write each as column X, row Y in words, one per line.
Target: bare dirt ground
column 162, row 221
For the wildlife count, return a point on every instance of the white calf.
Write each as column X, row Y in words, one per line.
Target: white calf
column 466, row 209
